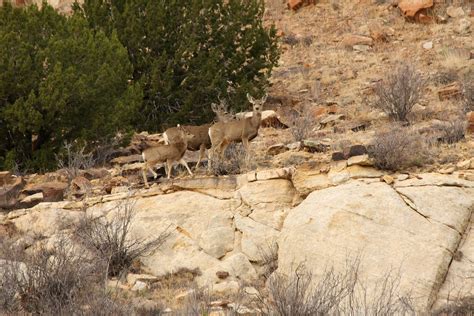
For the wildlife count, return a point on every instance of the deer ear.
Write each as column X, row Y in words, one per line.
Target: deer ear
column 249, row 97
column 264, row 98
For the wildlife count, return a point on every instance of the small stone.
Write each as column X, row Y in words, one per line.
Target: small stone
column 454, row 12
column 402, row 177
column 388, row 179
column 464, row 165
column 361, row 48
column 37, row 197
column 294, row 146
column 428, row 45
column 139, row 286
column 222, row 274
column 447, row 170
column 362, row 160
column 277, row 149
column 463, row 26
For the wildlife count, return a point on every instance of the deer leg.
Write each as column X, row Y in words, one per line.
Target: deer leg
column 144, row 176
column 170, row 166
column 202, row 150
column 184, row 163
column 222, row 148
column 245, row 143
column 155, row 175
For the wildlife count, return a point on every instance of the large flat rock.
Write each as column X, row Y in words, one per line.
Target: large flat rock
column 374, row 221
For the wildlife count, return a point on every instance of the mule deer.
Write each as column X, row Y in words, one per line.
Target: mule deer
column 244, row 130
column 201, row 140
column 167, row 154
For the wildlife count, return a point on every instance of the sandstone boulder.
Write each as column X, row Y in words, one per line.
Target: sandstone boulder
column 256, row 238
column 375, row 221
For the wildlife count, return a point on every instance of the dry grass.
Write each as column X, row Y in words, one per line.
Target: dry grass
column 334, row 293
column 57, row 280
column 454, row 60
column 235, row 161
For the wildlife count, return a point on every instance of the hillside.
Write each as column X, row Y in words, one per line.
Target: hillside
column 336, row 206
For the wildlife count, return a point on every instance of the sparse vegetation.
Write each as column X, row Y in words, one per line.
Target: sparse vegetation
column 399, row 91
column 302, row 124
column 335, row 293
column 399, row 147
column 110, row 240
column 452, row 131
column 57, row 280
column 235, row 161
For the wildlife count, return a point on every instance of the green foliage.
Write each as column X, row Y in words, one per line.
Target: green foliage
column 185, row 54
column 120, row 64
column 59, row 81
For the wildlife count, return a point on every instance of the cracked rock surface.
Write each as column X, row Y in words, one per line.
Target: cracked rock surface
column 419, row 226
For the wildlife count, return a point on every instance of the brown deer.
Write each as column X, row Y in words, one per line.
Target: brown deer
column 244, row 130
column 168, row 154
column 201, row 140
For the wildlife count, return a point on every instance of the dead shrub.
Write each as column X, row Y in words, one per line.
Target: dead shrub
column 301, row 124
column 334, row 293
column 452, row 131
column 468, row 95
column 110, row 239
column 73, row 159
column 458, row 307
column 399, row 92
column 398, row 148
column 59, row 280
column 234, row 161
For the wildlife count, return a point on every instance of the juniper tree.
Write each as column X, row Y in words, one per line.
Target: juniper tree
column 187, row 53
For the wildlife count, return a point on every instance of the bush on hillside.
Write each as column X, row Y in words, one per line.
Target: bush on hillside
column 59, row 81
column 110, row 240
column 398, row 148
column 186, row 54
column 57, row 280
column 399, row 91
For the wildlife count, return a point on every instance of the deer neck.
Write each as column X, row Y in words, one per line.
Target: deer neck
column 256, row 118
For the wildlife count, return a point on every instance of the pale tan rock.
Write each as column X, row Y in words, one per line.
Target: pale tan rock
column 435, row 179
column 132, row 278
column 268, row 191
column 459, row 282
column 388, row 179
column 362, row 160
column 217, row 241
column 307, row 181
column 454, row 12
column 374, row 220
column 357, row 171
column 353, row 39
column 46, row 219
column 256, row 237
column 464, row 165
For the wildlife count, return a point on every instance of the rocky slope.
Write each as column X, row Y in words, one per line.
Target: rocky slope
column 417, row 224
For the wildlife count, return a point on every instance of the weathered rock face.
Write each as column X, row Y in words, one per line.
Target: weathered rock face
column 415, row 227
column 223, row 227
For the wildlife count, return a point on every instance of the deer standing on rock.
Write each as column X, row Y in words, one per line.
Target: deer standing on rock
column 222, row 134
column 201, row 140
column 168, row 154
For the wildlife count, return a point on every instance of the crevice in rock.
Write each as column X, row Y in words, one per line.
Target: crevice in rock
column 455, row 250
column 411, row 204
